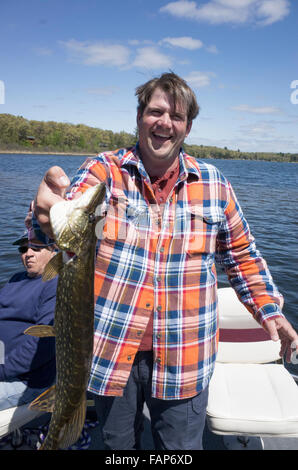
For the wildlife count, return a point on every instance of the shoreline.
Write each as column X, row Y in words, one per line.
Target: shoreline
column 87, row 154
column 26, row 152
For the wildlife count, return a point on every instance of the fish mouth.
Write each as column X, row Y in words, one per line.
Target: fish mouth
column 61, row 212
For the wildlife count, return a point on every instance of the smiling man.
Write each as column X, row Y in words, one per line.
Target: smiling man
column 163, row 126
column 168, row 217
column 28, row 366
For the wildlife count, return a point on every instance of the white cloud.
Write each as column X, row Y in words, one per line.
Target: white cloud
column 181, row 8
column 235, row 3
column 263, row 12
column 246, row 108
column 260, row 129
column 103, row 54
column 134, row 42
column 151, row 58
column 270, row 11
column 43, row 51
column 105, row 91
column 98, row 53
column 138, row 42
column 185, row 42
column 199, row 79
column 212, row 49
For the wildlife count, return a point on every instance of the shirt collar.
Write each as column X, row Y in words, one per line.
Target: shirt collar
column 186, row 164
column 132, row 158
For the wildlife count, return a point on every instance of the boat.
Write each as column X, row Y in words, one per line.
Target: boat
column 239, row 417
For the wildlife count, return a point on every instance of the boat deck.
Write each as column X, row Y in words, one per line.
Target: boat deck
column 210, row 441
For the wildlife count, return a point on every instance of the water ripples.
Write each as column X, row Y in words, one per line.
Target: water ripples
column 267, row 192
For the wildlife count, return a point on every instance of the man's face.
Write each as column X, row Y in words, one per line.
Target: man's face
column 162, row 129
column 35, row 258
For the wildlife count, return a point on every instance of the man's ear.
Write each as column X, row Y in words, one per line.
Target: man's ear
column 188, row 128
column 138, row 116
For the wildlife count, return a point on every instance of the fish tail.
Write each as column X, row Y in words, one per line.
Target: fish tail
column 49, row 444
column 71, row 431
column 62, row 437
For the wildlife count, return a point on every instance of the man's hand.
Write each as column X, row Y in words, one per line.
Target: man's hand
column 280, row 328
column 51, row 190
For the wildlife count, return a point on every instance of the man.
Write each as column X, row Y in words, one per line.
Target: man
column 167, row 217
column 28, row 365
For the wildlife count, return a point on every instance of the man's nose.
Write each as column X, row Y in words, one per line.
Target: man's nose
column 165, row 120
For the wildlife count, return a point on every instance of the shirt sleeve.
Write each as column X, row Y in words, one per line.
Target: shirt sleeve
column 31, row 352
column 246, row 269
column 93, row 171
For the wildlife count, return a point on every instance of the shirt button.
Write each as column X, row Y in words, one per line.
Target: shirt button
column 158, row 278
column 139, row 333
column 129, row 358
column 158, row 360
column 158, row 308
column 162, row 249
column 148, row 304
column 158, row 336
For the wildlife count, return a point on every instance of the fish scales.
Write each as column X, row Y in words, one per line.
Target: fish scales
column 74, row 324
column 74, row 320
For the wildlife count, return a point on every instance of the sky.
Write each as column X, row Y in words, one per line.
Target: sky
column 79, row 61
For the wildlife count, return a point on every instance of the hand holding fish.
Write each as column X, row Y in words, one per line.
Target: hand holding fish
column 51, row 190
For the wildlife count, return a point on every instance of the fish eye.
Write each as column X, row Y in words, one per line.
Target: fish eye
column 91, row 217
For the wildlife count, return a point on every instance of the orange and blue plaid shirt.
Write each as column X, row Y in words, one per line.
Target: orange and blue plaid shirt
column 162, row 259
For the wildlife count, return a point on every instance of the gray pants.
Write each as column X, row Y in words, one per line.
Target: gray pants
column 175, row 424
column 16, row 393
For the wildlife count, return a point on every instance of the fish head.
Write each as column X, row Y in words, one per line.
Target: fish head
column 73, row 222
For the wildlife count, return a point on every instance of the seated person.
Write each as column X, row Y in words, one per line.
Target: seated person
column 27, row 363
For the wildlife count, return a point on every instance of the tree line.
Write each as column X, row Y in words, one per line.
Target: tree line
column 20, row 134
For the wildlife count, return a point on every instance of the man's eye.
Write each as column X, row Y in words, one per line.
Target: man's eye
column 178, row 117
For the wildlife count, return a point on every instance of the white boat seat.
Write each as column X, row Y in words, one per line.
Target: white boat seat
column 253, row 400
column 16, row 417
column 13, row 418
column 248, row 395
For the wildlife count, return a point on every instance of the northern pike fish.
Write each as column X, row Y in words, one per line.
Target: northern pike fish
column 74, row 227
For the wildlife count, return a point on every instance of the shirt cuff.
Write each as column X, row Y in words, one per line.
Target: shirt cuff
column 268, row 312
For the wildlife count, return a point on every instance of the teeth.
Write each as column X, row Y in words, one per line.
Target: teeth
column 162, row 136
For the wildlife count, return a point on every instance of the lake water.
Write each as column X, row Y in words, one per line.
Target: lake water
column 267, row 192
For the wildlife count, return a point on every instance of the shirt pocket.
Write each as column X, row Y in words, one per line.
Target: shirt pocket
column 204, row 225
column 122, row 222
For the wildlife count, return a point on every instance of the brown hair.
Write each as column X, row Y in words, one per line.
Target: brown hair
column 175, row 86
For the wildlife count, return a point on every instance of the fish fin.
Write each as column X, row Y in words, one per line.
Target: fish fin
column 40, row 331
column 71, row 431
column 53, row 267
column 46, row 401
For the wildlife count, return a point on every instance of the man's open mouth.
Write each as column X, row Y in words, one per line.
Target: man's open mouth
column 161, row 137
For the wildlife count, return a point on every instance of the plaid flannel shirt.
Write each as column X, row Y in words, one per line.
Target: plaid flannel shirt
column 162, row 259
